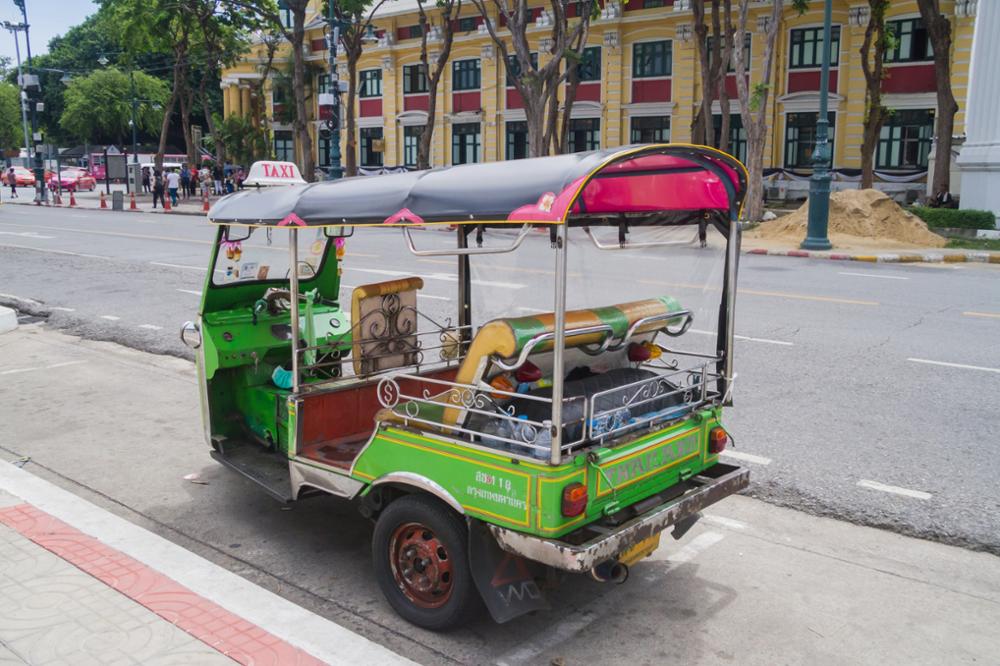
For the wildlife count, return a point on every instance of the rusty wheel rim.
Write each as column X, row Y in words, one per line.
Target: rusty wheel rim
column 421, row 565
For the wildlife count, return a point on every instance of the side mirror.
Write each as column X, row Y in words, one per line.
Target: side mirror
column 235, row 234
column 338, row 231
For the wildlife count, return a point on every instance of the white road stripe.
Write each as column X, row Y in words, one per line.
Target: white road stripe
column 110, row 317
column 895, row 490
column 72, row 254
column 954, row 365
column 447, row 277
column 25, row 234
column 432, row 297
column 747, row 338
column 525, row 308
column 190, row 291
column 63, row 309
column 724, row 522
column 151, row 327
column 566, row 629
column 746, row 457
column 44, row 367
column 872, row 275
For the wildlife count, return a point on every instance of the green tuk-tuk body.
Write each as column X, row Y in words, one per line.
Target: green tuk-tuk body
column 306, row 392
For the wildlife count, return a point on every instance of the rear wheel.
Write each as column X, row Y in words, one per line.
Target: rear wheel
column 420, row 551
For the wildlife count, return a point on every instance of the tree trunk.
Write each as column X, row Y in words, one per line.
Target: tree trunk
column 213, row 129
column 872, row 64
column 448, row 8
column 185, row 99
column 351, row 166
column 726, row 58
column 300, row 123
column 167, row 112
column 939, row 29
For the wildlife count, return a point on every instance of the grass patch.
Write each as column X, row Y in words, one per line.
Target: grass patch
column 974, row 244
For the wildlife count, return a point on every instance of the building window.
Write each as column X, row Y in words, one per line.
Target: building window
column 651, row 59
column 412, row 32
column 411, row 143
column 912, row 43
column 323, row 84
column 467, row 24
column 589, row 68
column 800, row 138
column 284, row 146
column 371, row 147
column 465, row 74
column 737, row 135
column 414, row 79
column 731, row 65
column 651, row 4
column 285, row 14
column 323, row 150
column 584, row 134
column 517, row 139
column 370, row 83
column 905, row 140
column 514, row 67
column 650, row 129
column 807, row 47
column 465, row 142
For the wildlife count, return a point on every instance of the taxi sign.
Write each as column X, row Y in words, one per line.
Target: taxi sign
column 269, row 172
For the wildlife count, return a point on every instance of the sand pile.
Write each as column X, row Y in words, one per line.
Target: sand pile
column 857, row 217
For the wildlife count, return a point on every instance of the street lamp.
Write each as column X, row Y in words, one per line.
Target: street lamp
column 13, row 28
column 819, row 182
column 333, row 122
column 36, row 137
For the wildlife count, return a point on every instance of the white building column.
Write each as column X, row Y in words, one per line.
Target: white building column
column 979, row 159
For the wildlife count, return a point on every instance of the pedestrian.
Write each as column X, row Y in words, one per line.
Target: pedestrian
column 145, row 181
column 240, row 177
column 185, row 182
column 12, row 181
column 158, row 189
column 217, row 177
column 206, row 182
column 173, row 182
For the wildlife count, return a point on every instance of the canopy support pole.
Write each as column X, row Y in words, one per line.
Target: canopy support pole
column 293, row 286
column 732, row 261
column 558, row 345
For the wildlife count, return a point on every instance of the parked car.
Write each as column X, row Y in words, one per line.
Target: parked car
column 24, row 176
column 76, row 179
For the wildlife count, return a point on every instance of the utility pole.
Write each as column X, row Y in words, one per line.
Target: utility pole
column 35, row 136
column 135, row 142
column 22, row 97
column 819, row 182
column 333, row 124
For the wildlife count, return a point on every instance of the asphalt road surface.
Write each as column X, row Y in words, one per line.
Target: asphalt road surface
column 865, row 392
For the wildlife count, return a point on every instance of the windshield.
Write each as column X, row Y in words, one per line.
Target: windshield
column 258, row 254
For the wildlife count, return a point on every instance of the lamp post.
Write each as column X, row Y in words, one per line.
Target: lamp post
column 333, row 123
column 39, row 166
column 22, row 96
column 819, row 182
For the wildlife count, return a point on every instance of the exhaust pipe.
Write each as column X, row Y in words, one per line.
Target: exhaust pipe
column 611, row 571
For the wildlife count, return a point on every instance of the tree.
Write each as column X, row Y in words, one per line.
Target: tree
column 355, row 17
column 11, row 136
column 939, row 30
column 713, row 69
column 873, row 49
column 539, row 85
column 97, row 110
column 245, row 142
column 449, row 9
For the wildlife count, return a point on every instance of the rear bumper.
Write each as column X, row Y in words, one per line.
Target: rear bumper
column 709, row 487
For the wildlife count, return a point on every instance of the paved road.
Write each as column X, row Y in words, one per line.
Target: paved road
column 865, row 392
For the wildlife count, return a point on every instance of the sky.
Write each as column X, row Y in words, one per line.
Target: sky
column 47, row 18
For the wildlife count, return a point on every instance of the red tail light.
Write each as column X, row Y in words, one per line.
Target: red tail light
column 574, row 499
column 717, row 440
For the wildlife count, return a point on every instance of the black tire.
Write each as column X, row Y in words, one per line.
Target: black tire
column 400, row 524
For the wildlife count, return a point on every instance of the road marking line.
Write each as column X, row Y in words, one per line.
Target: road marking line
column 896, row 490
column 447, row 277
column 525, row 308
column 63, row 309
column 954, row 365
column 190, row 291
column 746, row 337
column 25, row 234
column 51, row 251
column 110, row 317
column 754, row 292
column 435, row 298
column 995, row 315
column 564, row 630
column 746, row 457
column 872, row 275
column 191, row 268
column 151, row 327
column 725, row 522
column 44, row 367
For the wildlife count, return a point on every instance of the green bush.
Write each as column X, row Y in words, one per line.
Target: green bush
column 954, row 218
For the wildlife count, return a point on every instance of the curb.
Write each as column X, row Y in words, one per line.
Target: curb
column 109, row 210
column 8, row 320
column 929, row 258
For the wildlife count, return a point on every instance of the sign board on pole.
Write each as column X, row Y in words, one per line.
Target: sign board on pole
column 116, row 166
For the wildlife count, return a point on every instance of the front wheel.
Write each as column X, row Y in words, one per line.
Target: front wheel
column 420, row 551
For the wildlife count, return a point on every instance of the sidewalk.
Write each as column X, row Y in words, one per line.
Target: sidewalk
column 92, row 201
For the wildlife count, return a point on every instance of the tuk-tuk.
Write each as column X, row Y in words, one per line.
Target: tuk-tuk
column 556, row 413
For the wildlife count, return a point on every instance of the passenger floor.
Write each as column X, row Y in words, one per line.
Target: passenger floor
column 336, row 453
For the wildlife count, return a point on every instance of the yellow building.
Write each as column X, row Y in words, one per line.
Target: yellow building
column 640, row 83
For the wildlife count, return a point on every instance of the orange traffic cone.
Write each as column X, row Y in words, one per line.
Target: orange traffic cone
column 104, row 202
column 166, row 204
column 131, row 203
column 72, row 198
column 56, row 199
column 204, row 202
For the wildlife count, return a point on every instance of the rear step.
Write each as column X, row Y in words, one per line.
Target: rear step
column 266, row 468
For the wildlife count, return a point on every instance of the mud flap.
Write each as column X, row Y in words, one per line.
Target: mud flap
column 507, row 583
column 681, row 527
